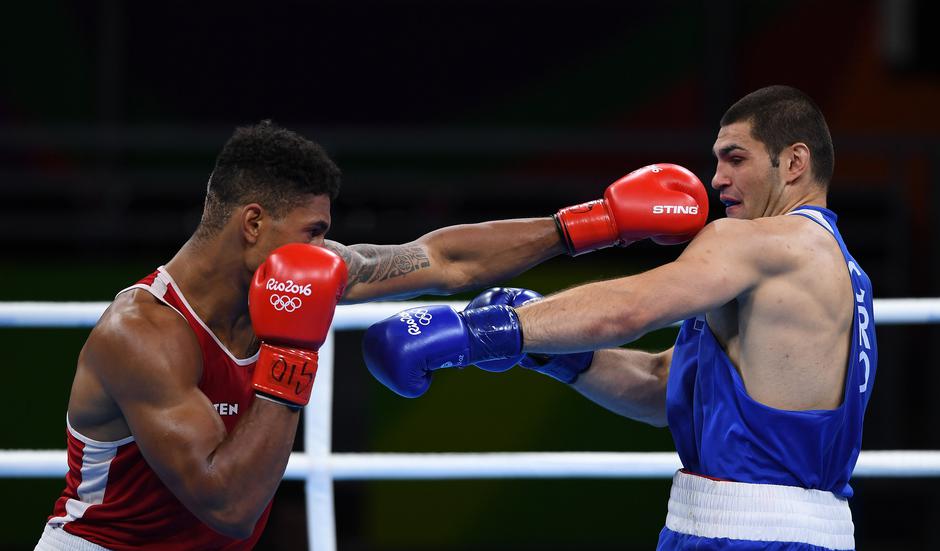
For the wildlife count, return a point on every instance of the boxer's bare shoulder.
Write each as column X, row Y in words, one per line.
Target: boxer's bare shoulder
column 136, row 325
column 777, row 244
column 790, row 259
column 135, row 348
column 801, row 254
column 137, row 309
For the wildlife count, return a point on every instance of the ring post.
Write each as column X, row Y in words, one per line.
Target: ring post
column 318, row 421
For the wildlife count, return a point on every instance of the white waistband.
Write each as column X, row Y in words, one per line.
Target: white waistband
column 709, row 508
column 55, row 538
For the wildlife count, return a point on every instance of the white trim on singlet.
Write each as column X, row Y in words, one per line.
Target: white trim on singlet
column 158, row 290
column 96, row 466
column 91, row 441
column 815, row 215
column 709, row 508
column 159, row 285
column 54, row 538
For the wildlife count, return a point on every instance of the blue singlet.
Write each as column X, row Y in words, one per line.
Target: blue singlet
column 720, row 432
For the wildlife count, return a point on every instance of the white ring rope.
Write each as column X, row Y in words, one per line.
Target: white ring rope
column 319, row 468
column 86, row 314
column 888, row 311
column 444, row 466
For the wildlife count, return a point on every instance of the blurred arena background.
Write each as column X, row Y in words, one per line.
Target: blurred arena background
column 111, row 114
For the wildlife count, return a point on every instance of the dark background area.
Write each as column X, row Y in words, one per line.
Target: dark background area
column 111, row 114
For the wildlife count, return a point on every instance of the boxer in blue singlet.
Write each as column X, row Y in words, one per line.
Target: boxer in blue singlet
column 766, row 387
column 808, row 455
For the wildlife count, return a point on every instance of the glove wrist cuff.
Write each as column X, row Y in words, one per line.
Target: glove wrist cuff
column 291, row 406
column 495, row 332
column 562, row 234
column 587, row 227
column 285, row 373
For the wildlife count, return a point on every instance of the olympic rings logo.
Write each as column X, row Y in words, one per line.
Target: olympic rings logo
column 285, row 303
column 423, row 317
column 413, row 318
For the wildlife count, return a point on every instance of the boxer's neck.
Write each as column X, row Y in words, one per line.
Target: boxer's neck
column 212, row 275
column 795, row 196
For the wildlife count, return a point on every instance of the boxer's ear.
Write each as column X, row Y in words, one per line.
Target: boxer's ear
column 251, row 219
column 795, row 162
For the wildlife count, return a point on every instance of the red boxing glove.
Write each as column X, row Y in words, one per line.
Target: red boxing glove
column 291, row 300
column 664, row 202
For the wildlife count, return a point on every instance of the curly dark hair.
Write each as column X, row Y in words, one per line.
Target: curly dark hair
column 268, row 165
column 781, row 116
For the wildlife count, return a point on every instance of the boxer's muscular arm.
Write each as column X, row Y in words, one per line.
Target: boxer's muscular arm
column 725, row 260
column 150, row 364
column 631, row 383
column 448, row 260
column 461, row 257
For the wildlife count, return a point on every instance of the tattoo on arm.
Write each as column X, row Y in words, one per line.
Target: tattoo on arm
column 374, row 263
column 389, row 262
column 343, row 252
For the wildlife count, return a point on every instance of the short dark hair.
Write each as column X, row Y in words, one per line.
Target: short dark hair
column 268, row 165
column 781, row 116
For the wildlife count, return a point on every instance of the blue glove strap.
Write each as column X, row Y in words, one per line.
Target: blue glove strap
column 494, row 332
column 563, row 367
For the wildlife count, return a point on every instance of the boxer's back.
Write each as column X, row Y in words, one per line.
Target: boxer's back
column 723, row 429
column 789, row 336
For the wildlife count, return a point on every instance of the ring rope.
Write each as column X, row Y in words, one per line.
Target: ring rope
column 889, row 311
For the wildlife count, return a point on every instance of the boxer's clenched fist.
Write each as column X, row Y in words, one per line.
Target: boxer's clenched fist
column 664, row 202
column 402, row 351
column 291, row 300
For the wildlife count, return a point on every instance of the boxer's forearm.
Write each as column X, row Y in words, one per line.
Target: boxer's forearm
column 475, row 255
column 597, row 315
column 248, row 466
column 631, row 383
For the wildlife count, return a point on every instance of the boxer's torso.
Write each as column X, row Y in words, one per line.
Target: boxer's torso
column 112, row 496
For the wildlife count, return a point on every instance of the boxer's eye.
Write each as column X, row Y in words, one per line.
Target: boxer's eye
column 317, row 230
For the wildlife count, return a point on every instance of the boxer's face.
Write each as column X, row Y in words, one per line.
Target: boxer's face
column 307, row 222
column 745, row 177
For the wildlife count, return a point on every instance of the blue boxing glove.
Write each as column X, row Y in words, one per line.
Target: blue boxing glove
column 402, row 351
column 510, row 296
